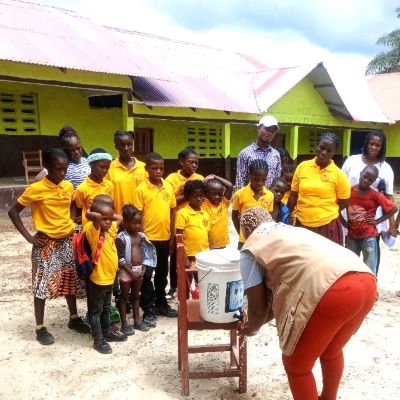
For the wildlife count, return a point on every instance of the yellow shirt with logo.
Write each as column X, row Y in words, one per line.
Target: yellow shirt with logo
column 125, row 182
column 106, row 268
column 195, row 226
column 318, row 191
column 87, row 191
column 219, row 231
column 156, row 204
column 244, row 199
column 51, row 207
column 177, row 180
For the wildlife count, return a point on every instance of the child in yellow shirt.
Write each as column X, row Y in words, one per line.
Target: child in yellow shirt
column 189, row 163
column 216, row 203
column 101, row 232
column 155, row 198
column 126, row 172
column 287, row 174
column 255, row 194
column 193, row 222
column 94, row 184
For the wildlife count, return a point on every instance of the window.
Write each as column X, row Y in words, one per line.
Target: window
column 206, row 140
column 19, row 113
column 108, row 101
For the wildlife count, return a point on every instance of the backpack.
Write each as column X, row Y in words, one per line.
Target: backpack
column 83, row 262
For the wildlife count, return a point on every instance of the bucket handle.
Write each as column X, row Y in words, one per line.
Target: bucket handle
column 210, row 270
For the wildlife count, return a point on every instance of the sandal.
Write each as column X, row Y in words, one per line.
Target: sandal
column 128, row 330
column 141, row 327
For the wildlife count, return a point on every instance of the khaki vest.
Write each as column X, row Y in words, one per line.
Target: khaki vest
column 299, row 267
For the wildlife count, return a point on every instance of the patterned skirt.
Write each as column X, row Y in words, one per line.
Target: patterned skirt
column 53, row 270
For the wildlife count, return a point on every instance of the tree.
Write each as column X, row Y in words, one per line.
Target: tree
column 388, row 60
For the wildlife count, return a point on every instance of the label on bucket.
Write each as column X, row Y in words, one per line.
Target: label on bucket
column 213, row 298
column 234, row 296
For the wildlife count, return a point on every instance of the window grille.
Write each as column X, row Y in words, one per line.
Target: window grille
column 19, row 113
column 205, row 140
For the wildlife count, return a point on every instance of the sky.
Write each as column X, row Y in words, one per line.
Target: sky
column 342, row 33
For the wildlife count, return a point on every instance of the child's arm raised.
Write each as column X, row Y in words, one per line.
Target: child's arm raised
column 228, row 185
column 95, row 217
column 15, row 215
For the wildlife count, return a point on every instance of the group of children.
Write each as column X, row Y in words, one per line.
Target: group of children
column 130, row 215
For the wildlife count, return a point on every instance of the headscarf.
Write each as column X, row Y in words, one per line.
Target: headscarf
column 253, row 218
column 99, row 156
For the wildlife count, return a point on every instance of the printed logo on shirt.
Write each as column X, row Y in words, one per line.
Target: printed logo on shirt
column 265, row 203
column 165, row 196
column 64, row 195
column 205, row 222
column 325, row 178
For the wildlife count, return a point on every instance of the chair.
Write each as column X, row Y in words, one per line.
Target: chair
column 32, row 162
column 189, row 319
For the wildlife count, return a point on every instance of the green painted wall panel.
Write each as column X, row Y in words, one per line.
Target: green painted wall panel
column 60, row 106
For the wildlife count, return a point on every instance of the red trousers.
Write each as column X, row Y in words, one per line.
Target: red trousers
column 336, row 318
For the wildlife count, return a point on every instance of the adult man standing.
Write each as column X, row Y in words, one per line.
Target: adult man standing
column 260, row 149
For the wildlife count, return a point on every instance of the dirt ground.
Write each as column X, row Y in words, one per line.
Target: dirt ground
column 145, row 367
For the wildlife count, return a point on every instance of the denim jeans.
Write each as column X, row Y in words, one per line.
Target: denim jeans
column 99, row 303
column 368, row 247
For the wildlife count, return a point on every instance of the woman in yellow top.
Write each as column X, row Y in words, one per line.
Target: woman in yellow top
column 126, row 172
column 53, row 262
column 320, row 190
column 255, row 194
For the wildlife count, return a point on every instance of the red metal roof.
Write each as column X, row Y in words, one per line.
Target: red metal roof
column 386, row 90
column 53, row 36
column 166, row 72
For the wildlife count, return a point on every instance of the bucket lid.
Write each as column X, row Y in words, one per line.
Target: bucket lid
column 227, row 256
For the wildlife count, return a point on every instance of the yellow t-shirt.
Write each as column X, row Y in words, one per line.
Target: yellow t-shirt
column 244, row 199
column 51, row 207
column 156, row 204
column 106, row 268
column 125, row 182
column 87, row 191
column 177, row 180
column 195, row 226
column 219, row 232
column 285, row 197
column 318, row 191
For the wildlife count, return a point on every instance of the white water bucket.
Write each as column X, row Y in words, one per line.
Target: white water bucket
column 220, row 285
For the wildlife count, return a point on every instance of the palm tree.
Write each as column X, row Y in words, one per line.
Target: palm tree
column 389, row 60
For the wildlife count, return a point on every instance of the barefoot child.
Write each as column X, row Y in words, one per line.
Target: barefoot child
column 255, row 194
column 218, row 195
column 135, row 252
column 53, row 262
column 155, row 198
column 101, row 232
column 96, row 183
column 361, row 224
column 281, row 212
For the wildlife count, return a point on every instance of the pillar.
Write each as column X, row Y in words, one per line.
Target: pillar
column 226, row 149
column 346, row 142
column 294, row 142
